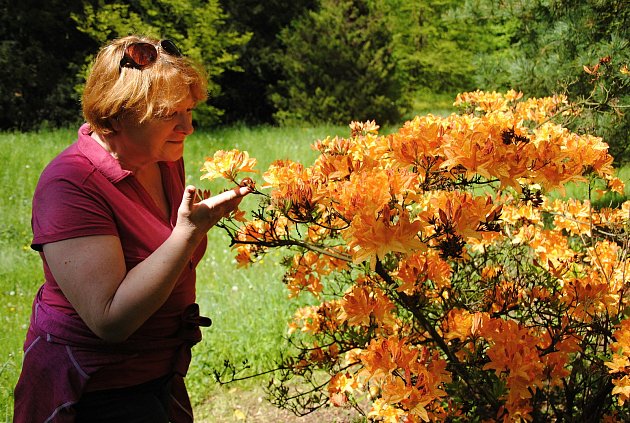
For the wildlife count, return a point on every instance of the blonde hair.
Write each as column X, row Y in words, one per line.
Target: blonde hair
column 112, row 90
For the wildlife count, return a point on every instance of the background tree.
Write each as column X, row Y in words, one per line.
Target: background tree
column 245, row 91
column 304, row 58
column 40, row 56
column 339, row 65
column 436, row 52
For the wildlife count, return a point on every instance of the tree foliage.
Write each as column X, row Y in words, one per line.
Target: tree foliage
column 245, row 91
column 339, row 65
column 325, row 60
column 434, row 51
column 445, row 285
column 40, row 55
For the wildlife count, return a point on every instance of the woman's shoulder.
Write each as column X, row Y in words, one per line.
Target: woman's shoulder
column 70, row 164
column 82, row 159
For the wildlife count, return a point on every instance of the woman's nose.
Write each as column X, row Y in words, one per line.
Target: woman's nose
column 185, row 124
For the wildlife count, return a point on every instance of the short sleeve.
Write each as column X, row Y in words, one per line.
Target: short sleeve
column 67, row 207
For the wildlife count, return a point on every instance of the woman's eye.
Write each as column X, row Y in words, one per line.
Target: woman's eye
column 173, row 114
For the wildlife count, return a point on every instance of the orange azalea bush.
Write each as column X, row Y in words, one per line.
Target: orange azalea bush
column 445, row 285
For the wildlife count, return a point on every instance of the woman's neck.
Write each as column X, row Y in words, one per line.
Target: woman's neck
column 108, row 143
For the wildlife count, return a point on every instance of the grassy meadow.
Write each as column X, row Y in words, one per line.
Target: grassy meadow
column 249, row 307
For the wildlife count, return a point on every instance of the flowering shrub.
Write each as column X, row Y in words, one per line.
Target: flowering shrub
column 445, row 285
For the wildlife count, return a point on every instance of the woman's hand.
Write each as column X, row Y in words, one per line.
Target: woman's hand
column 198, row 218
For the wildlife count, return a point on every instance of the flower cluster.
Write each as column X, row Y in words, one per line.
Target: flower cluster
column 447, row 285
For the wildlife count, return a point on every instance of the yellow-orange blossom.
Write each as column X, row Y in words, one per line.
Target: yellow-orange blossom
column 413, row 202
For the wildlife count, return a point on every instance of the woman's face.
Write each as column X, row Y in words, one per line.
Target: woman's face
column 156, row 139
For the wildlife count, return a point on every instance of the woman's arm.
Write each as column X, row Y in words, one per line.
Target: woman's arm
column 91, row 270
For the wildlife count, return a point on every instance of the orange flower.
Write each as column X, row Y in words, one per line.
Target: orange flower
column 415, row 269
column 485, row 101
column 556, row 157
column 572, row 215
column 620, row 362
column 418, row 142
column 616, row 185
column 363, row 128
column 386, row 413
column 516, row 213
column 383, row 356
column 604, row 257
column 370, row 238
column 315, row 319
column 293, row 188
column 461, row 324
column 515, row 358
column 551, row 248
column 622, row 389
column 408, row 381
column 364, row 193
column 227, row 165
column 460, row 210
column 306, row 271
column 539, row 110
column 340, row 385
column 363, row 306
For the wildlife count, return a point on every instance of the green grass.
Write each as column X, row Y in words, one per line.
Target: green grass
column 426, row 102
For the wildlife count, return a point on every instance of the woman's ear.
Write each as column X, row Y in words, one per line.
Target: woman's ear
column 115, row 124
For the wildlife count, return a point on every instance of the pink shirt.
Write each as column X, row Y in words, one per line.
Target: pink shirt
column 84, row 192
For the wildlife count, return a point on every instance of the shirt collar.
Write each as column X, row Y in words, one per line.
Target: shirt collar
column 99, row 157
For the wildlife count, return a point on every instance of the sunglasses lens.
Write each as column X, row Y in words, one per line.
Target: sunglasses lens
column 169, row 47
column 140, row 54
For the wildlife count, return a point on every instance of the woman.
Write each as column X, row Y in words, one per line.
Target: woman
column 119, row 236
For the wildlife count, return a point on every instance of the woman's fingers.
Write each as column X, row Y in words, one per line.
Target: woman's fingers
column 188, row 199
column 221, row 205
column 228, row 200
column 205, row 214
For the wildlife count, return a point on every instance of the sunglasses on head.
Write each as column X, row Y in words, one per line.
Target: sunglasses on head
column 140, row 55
